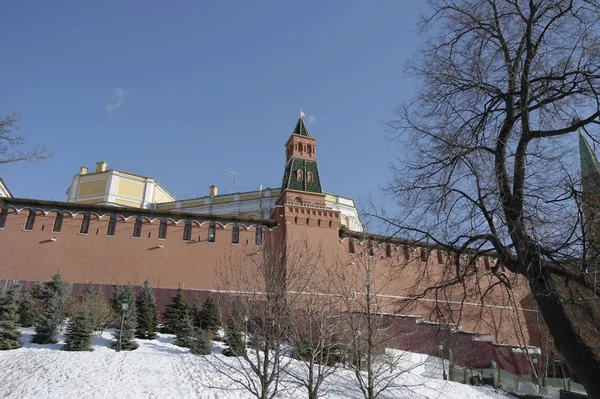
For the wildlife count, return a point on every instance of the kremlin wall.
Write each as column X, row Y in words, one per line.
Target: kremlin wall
column 120, row 228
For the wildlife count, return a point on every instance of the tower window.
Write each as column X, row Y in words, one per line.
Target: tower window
column 235, row 234
column 3, row 214
column 162, row 229
column 187, row 230
column 388, row 250
column 309, row 177
column 299, row 175
column 309, row 148
column 85, row 224
column 30, row 220
column 211, row 231
column 112, row 225
column 137, row 227
column 258, row 235
column 351, row 247
column 58, row 221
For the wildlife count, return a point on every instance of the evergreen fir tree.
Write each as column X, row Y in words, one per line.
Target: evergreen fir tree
column 28, row 309
column 146, row 313
column 116, row 297
column 195, row 312
column 38, row 291
column 174, row 312
column 185, row 334
column 233, row 336
column 56, row 297
column 46, row 328
column 127, row 322
column 79, row 333
column 201, row 345
column 9, row 322
column 59, row 289
column 210, row 319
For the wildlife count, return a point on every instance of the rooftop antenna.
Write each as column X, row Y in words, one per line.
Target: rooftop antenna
column 234, row 177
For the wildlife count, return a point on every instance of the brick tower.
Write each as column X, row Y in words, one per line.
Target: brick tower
column 302, row 201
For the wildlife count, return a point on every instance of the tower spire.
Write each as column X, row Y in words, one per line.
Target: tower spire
column 590, row 167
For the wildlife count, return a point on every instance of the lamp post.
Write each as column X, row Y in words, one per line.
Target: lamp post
column 534, row 360
column 124, row 307
column 441, row 348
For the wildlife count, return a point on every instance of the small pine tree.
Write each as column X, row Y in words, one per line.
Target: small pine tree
column 46, row 328
column 210, row 319
column 233, row 336
column 146, row 313
column 79, row 333
column 201, row 345
column 55, row 297
column 174, row 312
column 185, row 334
column 195, row 312
column 127, row 322
column 9, row 307
column 28, row 309
column 38, row 291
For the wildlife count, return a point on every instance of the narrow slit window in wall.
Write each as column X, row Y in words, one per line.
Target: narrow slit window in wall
column 30, row 220
column 3, row 214
column 370, row 247
column 424, row 255
column 351, row 247
column 58, row 220
column 258, row 235
column 388, row 250
column 211, row 231
column 440, row 256
column 235, row 234
column 112, row 225
column 406, row 253
column 187, row 230
column 85, row 224
column 137, row 227
column 162, row 229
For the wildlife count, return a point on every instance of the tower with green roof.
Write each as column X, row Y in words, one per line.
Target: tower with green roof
column 302, row 199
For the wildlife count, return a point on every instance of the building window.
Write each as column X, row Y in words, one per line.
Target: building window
column 309, row 148
column 137, row 227
column 370, row 247
column 235, row 234
column 211, row 231
column 162, row 229
column 309, row 177
column 112, row 225
column 58, row 221
column 351, row 247
column 388, row 250
column 85, row 224
column 299, row 175
column 30, row 220
column 3, row 214
column 258, row 235
column 187, row 230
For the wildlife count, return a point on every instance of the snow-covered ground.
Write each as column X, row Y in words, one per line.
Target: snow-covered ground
column 159, row 369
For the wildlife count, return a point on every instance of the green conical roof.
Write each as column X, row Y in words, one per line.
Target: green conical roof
column 292, row 180
column 301, row 128
column 590, row 168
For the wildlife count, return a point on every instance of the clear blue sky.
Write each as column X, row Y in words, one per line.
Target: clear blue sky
column 183, row 91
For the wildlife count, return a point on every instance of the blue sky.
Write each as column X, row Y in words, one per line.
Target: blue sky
column 183, row 91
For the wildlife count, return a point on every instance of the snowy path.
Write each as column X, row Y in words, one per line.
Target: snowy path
column 159, row 369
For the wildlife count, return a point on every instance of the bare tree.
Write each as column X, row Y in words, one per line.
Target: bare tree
column 315, row 334
column 506, row 84
column 257, row 286
column 363, row 281
column 10, row 143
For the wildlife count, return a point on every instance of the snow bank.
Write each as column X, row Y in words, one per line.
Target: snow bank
column 159, row 369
